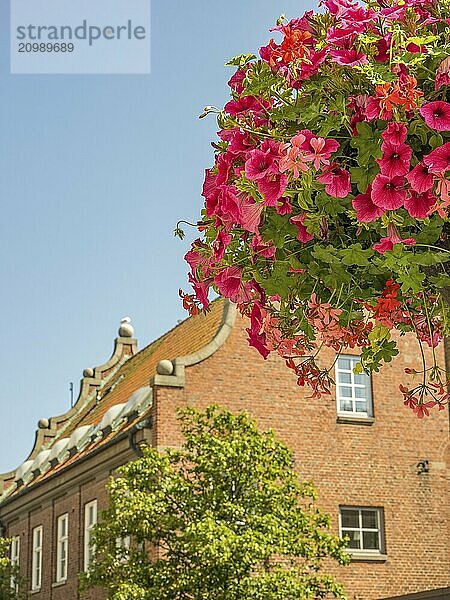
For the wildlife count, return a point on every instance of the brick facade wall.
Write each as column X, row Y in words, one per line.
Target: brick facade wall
column 46, row 515
column 351, row 465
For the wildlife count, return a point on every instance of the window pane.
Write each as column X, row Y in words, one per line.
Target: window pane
column 346, row 392
column 355, row 537
column 350, row 518
column 362, row 378
column 344, row 377
column 346, row 405
column 360, row 392
column 361, row 406
column 344, row 363
column 370, row 540
column 369, row 519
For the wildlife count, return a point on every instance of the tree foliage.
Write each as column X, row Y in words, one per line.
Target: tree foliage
column 326, row 211
column 224, row 517
column 12, row 585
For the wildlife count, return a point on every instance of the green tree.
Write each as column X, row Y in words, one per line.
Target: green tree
column 222, row 517
column 12, row 586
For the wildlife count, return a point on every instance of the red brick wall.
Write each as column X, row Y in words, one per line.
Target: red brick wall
column 351, row 464
column 47, row 515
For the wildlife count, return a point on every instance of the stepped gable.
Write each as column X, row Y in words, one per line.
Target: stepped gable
column 117, row 395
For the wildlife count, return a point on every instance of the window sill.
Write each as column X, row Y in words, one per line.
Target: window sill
column 59, row 583
column 355, row 419
column 367, row 556
column 35, row 591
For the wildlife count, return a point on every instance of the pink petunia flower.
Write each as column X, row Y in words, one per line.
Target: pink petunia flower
column 302, row 234
column 420, row 178
column 443, row 74
column 366, row 210
column 239, row 142
column 245, row 105
column 250, row 213
column 349, row 58
column 383, row 46
column 419, row 204
column 396, row 159
column 261, row 248
column 395, row 133
column 201, row 290
column 374, row 110
column 256, row 335
column 393, row 237
column 437, row 115
column 230, row 285
column 224, row 164
column 342, row 37
column 336, row 181
column 272, row 188
column 220, row 244
column 236, row 82
column 284, row 207
column 260, row 164
column 357, row 109
column 438, row 161
column 197, row 257
column 311, row 66
column 388, row 192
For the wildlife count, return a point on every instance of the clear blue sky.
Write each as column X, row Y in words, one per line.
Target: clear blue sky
column 95, row 171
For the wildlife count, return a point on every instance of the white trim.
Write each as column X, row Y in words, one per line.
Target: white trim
column 353, row 387
column 36, row 563
column 90, row 519
column 360, row 529
column 15, row 559
column 62, row 547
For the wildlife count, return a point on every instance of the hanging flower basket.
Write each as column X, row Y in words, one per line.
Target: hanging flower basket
column 326, row 211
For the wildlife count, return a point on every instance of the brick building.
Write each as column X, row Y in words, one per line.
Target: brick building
column 381, row 473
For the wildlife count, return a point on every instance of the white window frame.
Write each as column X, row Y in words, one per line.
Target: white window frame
column 15, row 559
column 123, row 544
column 88, row 525
column 368, row 413
column 36, row 563
column 62, row 547
column 379, row 529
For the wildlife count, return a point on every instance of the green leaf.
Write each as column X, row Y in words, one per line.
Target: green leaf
column 368, row 144
column 326, row 255
column 435, row 141
column 355, row 255
column 363, row 176
column 428, row 259
column 240, row 60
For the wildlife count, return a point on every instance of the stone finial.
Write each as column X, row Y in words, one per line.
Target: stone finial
column 164, row 367
column 126, row 329
column 88, row 372
column 43, row 423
